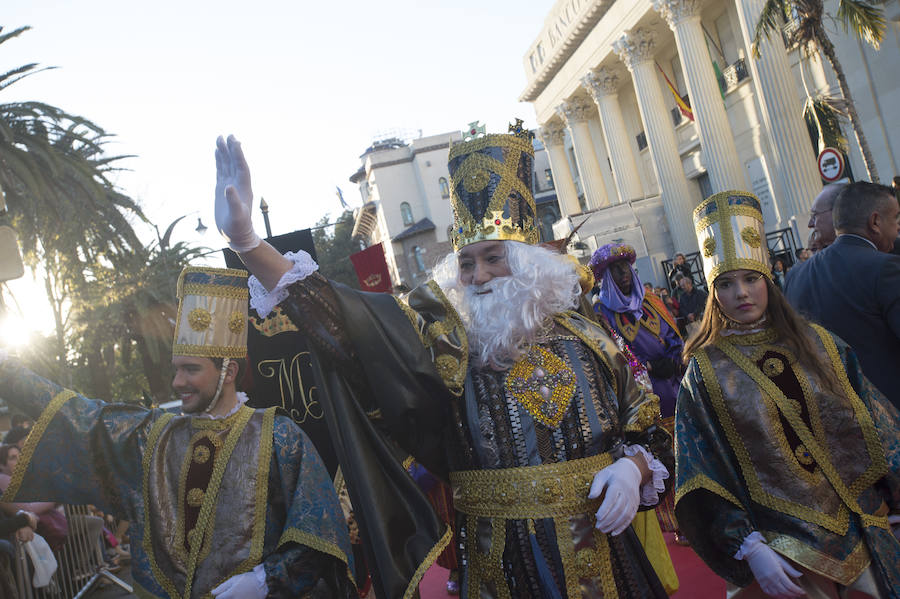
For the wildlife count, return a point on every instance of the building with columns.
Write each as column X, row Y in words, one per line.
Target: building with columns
column 606, row 78
column 405, row 190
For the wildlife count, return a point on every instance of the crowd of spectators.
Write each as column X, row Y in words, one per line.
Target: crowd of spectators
column 20, row 521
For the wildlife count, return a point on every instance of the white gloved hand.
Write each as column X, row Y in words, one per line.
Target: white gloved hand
column 772, row 572
column 234, row 196
column 622, row 481
column 242, row 586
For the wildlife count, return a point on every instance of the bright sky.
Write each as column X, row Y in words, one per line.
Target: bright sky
column 305, row 86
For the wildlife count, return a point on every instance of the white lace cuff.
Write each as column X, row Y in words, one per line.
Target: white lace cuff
column 749, row 544
column 651, row 490
column 264, row 301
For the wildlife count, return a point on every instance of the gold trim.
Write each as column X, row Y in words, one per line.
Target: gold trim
column 841, row 571
column 31, row 442
column 565, row 546
column 702, row 481
column 206, row 519
column 545, row 491
column 429, row 560
column 209, row 351
column 152, row 439
column 266, row 448
column 207, row 290
column 295, row 535
column 487, row 567
column 837, row 524
column 790, row 411
column 568, row 324
column 647, row 414
column 407, row 462
column 501, row 140
column 864, row 417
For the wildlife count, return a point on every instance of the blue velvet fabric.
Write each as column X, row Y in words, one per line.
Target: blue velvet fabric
column 90, row 452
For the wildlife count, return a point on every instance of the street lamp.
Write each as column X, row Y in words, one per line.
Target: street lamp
column 264, row 208
column 201, row 228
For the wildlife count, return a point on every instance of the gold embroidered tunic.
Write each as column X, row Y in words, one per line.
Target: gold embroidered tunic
column 764, row 444
column 544, row 427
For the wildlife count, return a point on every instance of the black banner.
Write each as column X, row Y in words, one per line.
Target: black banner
column 280, row 367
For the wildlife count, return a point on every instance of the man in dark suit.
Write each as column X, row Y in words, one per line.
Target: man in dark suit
column 852, row 287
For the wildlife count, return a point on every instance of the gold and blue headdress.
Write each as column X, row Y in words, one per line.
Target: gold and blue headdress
column 212, row 313
column 490, row 187
column 731, row 234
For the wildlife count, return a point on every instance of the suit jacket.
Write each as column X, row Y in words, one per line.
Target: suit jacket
column 853, row 290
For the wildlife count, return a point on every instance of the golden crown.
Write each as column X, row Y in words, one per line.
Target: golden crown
column 490, row 187
column 731, row 234
column 212, row 313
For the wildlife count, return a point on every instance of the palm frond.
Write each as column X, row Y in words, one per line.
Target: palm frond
column 773, row 14
column 863, row 20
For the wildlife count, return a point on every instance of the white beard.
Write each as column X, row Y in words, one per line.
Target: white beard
column 518, row 311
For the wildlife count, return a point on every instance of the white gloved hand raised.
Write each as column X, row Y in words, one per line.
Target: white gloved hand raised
column 772, row 572
column 234, row 196
column 622, row 481
column 242, row 586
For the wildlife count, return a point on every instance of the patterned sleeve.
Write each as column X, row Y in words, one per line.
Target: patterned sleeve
column 708, row 498
column 886, row 419
column 80, row 450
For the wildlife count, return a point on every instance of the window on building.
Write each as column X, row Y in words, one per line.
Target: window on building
column 418, row 258
column 641, row 140
column 705, row 186
column 406, row 213
column 548, row 177
column 678, row 76
column 445, row 188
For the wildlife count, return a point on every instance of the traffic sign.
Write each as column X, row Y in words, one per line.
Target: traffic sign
column 831, row 165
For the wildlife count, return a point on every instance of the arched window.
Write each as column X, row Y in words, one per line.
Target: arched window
column 406, row 213
column 445, row 189
column 417, row 256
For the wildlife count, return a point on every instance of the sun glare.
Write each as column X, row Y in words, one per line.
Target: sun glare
column 14, row 332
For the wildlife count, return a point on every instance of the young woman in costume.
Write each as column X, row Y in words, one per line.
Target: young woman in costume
column 787, row 457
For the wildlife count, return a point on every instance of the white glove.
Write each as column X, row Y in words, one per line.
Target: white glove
column 771, row 571
column 234, row 196
column 242, row 586
column 622, row 481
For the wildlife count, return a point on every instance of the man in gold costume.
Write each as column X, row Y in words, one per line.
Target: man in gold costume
column 224, row 500
column 488, row 378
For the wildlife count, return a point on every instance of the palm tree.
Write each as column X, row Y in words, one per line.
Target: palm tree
column 862, row 19
column 55, row 178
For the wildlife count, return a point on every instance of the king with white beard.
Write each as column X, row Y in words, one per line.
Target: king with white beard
column 490, row 379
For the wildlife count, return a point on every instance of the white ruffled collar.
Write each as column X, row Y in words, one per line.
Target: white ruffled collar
column 241, row 400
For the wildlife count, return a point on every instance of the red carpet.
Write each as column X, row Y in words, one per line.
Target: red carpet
column 697, row 581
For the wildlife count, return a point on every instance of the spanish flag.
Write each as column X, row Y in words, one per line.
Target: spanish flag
column 682, row 105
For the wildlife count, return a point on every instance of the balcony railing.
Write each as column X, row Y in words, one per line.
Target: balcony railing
column 735, row 73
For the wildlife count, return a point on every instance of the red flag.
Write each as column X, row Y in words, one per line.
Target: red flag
column 371, row 269
column 682, row 105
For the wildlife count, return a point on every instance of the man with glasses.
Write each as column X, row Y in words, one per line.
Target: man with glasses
column 820, row 219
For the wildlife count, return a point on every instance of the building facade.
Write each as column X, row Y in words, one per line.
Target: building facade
column 647, row 107
column 405, row 190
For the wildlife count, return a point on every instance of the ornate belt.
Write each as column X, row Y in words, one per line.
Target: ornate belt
column 546, row 491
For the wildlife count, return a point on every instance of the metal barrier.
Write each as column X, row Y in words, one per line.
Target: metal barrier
column 80, row 562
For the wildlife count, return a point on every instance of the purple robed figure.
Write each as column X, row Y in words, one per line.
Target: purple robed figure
column 641, row 320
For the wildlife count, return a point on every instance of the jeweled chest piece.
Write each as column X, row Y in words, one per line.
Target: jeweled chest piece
column 543, row 384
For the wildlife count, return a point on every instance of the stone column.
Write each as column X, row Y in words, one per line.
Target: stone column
column 604, row 88
column 576, row 114
column 553, row 136
column 779, row 99
column 636, row 48
column 719, row 152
